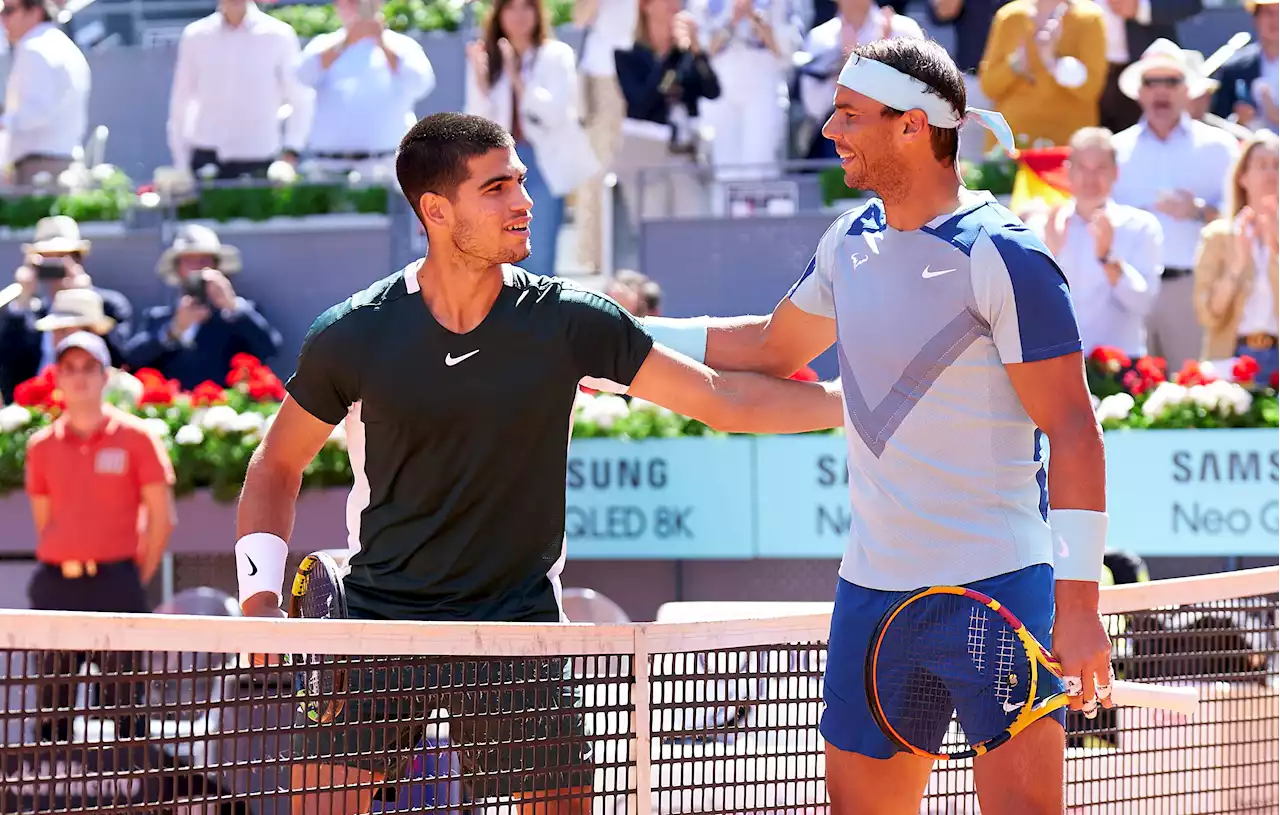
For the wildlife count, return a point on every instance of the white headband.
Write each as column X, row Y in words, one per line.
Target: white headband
column 889, row 86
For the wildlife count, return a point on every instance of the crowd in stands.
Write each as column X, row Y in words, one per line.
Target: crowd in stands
column 191, row 339
column 1169, row 241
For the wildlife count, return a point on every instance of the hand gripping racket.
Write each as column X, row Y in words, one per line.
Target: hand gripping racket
column 318, row 594
column 948, row 648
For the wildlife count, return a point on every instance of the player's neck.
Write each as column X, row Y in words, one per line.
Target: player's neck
column 459, row 294
column 933, row 191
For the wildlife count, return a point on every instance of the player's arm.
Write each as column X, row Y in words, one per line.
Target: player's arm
column 1021, row 293
column 320, row 393
column 801, row 327
column 607, row 343
column 736, row 402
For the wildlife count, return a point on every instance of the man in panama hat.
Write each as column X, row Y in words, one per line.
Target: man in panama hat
column 194, row 338
column 52, row 263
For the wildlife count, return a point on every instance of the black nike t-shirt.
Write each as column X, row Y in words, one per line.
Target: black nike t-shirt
column 465, row 439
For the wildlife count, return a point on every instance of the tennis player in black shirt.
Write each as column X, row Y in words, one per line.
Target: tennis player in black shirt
column 464, row 369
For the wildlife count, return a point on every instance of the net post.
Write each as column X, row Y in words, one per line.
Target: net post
column 641, row 746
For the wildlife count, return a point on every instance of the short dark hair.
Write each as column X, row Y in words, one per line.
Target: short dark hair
column 930, row 63
column 433, row 155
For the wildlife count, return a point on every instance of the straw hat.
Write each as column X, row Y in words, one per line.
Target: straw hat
column 57, row 233
column 196, row 239
column 76, row 308
column 1165, row 55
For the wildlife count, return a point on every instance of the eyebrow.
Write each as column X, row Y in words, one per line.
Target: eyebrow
column 498, row 179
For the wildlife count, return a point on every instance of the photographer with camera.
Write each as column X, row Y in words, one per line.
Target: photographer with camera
column 52, row 264
column 194, row 339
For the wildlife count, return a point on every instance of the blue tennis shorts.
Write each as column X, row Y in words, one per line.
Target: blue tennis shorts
column 847, row 722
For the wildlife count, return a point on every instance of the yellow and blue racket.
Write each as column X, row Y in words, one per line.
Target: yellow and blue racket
column 318, row 594
column 949, row 649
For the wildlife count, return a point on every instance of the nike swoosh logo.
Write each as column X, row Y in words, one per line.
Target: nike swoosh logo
column 926, row 274
column 1010, row 707
column 253, row 566
column 451, row 360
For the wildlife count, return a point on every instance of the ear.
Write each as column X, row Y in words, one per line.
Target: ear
column 914, row 123
column 435, row 209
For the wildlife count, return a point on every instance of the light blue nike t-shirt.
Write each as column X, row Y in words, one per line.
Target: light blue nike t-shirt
column 947, row 478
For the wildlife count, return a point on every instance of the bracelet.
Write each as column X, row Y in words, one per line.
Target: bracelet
column 260, row 559
column 1079, row 541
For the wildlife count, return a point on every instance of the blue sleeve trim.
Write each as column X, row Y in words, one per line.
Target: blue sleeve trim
column 1047, row 325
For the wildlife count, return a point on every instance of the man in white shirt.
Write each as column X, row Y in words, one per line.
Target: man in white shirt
column 46, row 100
column 1109, row 252
column 1172, row 166
column 857, row 22
column 235, row 71
column 609, row 26
column 367, row 80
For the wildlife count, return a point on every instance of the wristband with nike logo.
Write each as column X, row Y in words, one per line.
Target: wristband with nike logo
column 260, row 560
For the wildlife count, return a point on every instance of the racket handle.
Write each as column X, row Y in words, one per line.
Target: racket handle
column 1179, row 699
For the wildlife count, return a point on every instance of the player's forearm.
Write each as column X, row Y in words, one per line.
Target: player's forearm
column 267, row 499
column 1078, row 519
column 754, row 403
column 740, row 344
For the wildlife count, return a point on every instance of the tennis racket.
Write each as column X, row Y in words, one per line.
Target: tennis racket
column 948, row 648
column 318, row 594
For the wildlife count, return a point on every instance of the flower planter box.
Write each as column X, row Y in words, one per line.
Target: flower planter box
column 1170, row 493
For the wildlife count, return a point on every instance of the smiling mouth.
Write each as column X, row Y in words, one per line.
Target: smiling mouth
column 521, row 228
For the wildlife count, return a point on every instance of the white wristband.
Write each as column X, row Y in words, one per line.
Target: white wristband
column 687, row 336
column 260, row 559
column 1079, row 542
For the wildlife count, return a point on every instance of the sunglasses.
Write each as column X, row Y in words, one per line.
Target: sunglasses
column 1161, row 81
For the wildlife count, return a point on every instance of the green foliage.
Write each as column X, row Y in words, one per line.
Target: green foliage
column 405, row 16
column 258, row 203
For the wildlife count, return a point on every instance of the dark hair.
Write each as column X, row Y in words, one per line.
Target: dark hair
column 47, row 7
column 930, row 63
column 493, row 32
column 433, row 155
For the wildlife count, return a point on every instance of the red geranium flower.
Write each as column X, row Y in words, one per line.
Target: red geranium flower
column 1191, row 374
column 208, row 393
column 1110, row 359
column 1245, row 369
column 1275, row 380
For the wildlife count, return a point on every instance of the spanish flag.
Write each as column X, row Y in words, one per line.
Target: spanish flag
column 1041, row 178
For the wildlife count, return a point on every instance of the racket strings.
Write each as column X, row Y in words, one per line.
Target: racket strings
column 944, row 654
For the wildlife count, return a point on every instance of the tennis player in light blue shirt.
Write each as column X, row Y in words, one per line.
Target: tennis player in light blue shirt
column 959, row 355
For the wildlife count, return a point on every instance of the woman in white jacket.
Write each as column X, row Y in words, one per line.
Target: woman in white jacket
column 526, row 80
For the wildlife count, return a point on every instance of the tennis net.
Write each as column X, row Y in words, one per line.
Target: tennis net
column 158, row 713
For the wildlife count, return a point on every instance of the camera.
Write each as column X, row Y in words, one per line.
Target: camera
column 48, row 268
column 196, row 288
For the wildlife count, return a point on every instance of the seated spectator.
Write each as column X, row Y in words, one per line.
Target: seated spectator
column 51, row 265
column 1045, row 67
column 526, row 80
column 1109, row 252
column 825, row 49
column 1236, row 277
column 751, row 43
column 366, row 80
column 194, row 339
column 664, row 77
